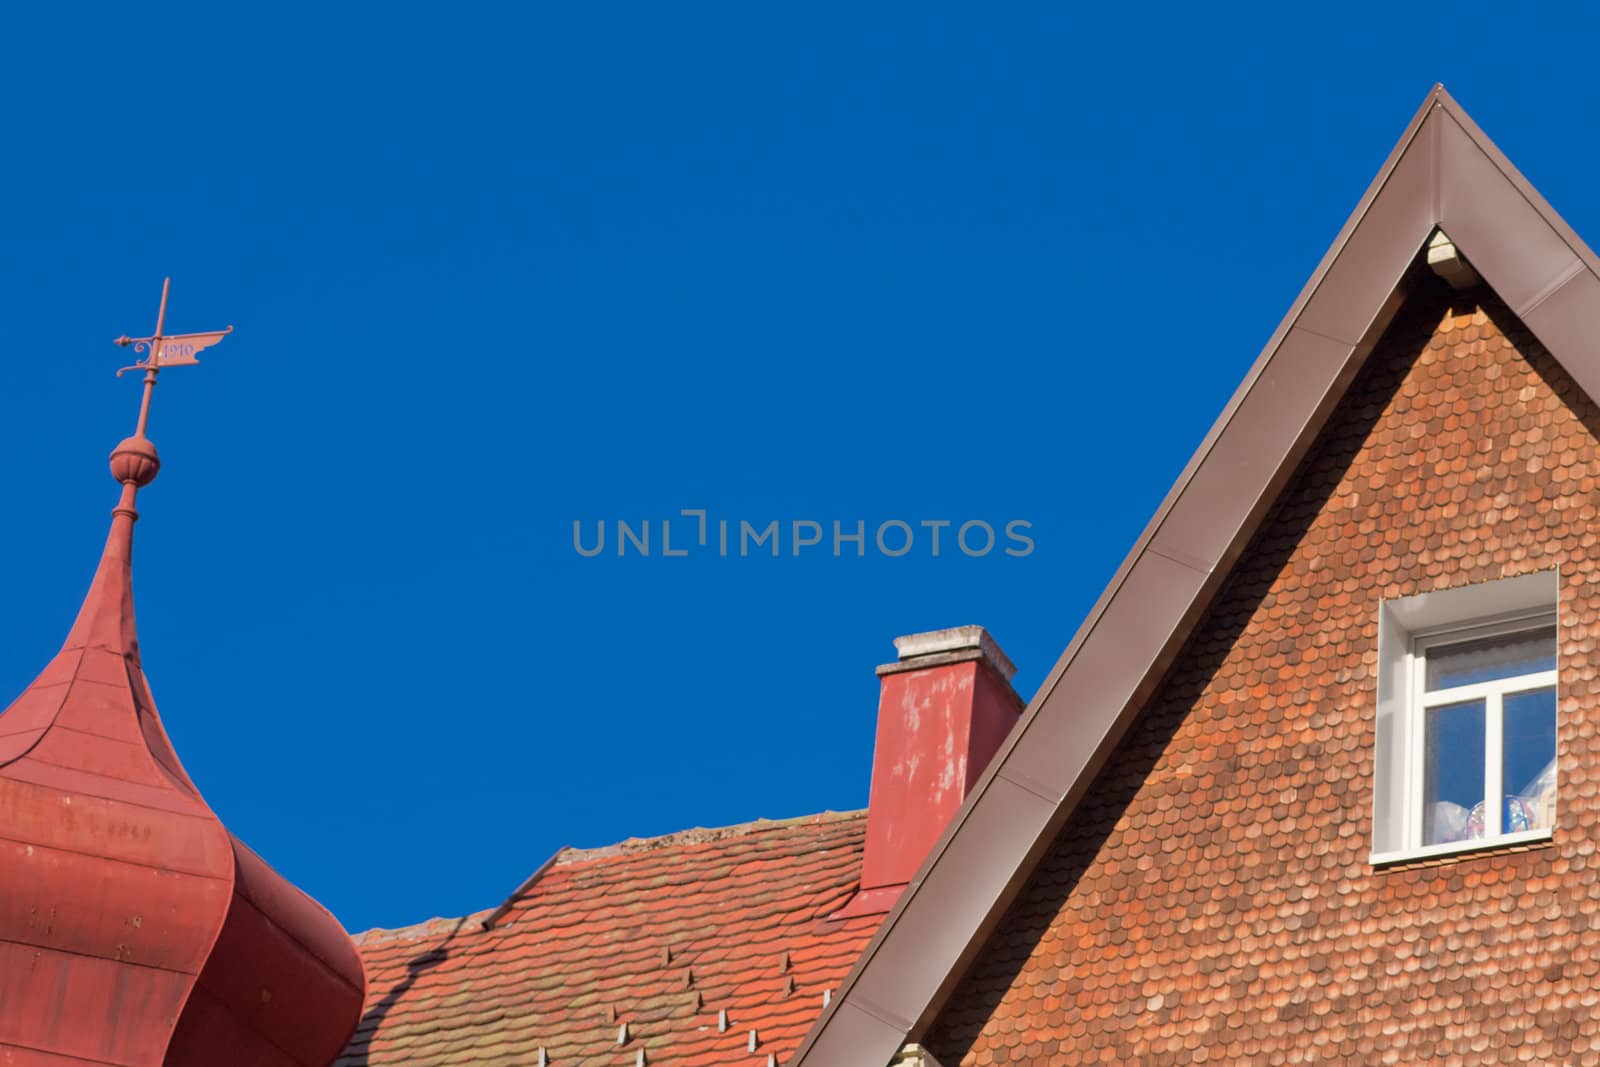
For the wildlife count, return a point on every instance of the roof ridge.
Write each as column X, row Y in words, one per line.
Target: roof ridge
column 701, row 835
column 698, row 835
column 439, row 924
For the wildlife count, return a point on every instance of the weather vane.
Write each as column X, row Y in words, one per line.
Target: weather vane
column 164, row 351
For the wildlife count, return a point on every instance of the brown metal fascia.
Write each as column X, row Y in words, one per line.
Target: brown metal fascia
column 1527, row 253
column 870, row 1024
column 1535, row 200
column 856, row 988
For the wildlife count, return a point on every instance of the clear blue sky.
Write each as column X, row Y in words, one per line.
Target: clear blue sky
column 494, row 269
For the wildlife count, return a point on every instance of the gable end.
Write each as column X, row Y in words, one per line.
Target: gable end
column 1444, row 174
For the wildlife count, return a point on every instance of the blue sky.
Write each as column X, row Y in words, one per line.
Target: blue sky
column 497, row 269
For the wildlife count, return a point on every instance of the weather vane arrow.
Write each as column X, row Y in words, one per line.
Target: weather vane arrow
column 163, row 350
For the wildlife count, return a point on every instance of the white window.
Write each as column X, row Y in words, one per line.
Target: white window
column 1486, row 702
column 1466, row 729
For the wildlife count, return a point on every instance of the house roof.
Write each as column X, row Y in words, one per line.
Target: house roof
column 1444, row 174
column 676, row 947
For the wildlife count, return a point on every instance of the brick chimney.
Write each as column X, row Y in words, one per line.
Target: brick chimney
column 943, row 709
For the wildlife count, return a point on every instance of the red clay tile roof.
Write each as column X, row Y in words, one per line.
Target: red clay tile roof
column 635, row 947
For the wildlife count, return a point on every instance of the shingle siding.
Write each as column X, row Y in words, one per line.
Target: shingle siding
column 1212, row 899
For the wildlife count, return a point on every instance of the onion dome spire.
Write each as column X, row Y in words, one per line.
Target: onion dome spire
column 135, row 930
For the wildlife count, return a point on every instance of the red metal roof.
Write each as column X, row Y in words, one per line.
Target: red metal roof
column 641, row 946
column 134, row 928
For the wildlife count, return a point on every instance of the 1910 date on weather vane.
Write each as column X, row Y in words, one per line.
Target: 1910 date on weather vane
column 169, row 351
column 165, row 351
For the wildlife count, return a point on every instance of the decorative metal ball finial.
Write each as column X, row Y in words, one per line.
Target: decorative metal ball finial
column 134, row 462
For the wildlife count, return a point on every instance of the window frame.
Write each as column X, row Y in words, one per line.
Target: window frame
column 1407, row 627
column 1493, row 694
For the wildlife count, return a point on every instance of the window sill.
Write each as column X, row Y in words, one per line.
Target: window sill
column 1453, row 848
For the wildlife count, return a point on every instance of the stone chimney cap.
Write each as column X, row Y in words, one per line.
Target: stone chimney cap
column 955, row 645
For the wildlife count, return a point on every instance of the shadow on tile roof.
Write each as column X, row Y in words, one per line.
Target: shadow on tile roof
column 373, row 1018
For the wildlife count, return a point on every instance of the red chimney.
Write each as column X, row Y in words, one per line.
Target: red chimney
column 943, row 710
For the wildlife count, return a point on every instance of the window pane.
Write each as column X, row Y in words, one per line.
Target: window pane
column 1453, row 763
column 1529, row 759
column 1490, row 658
